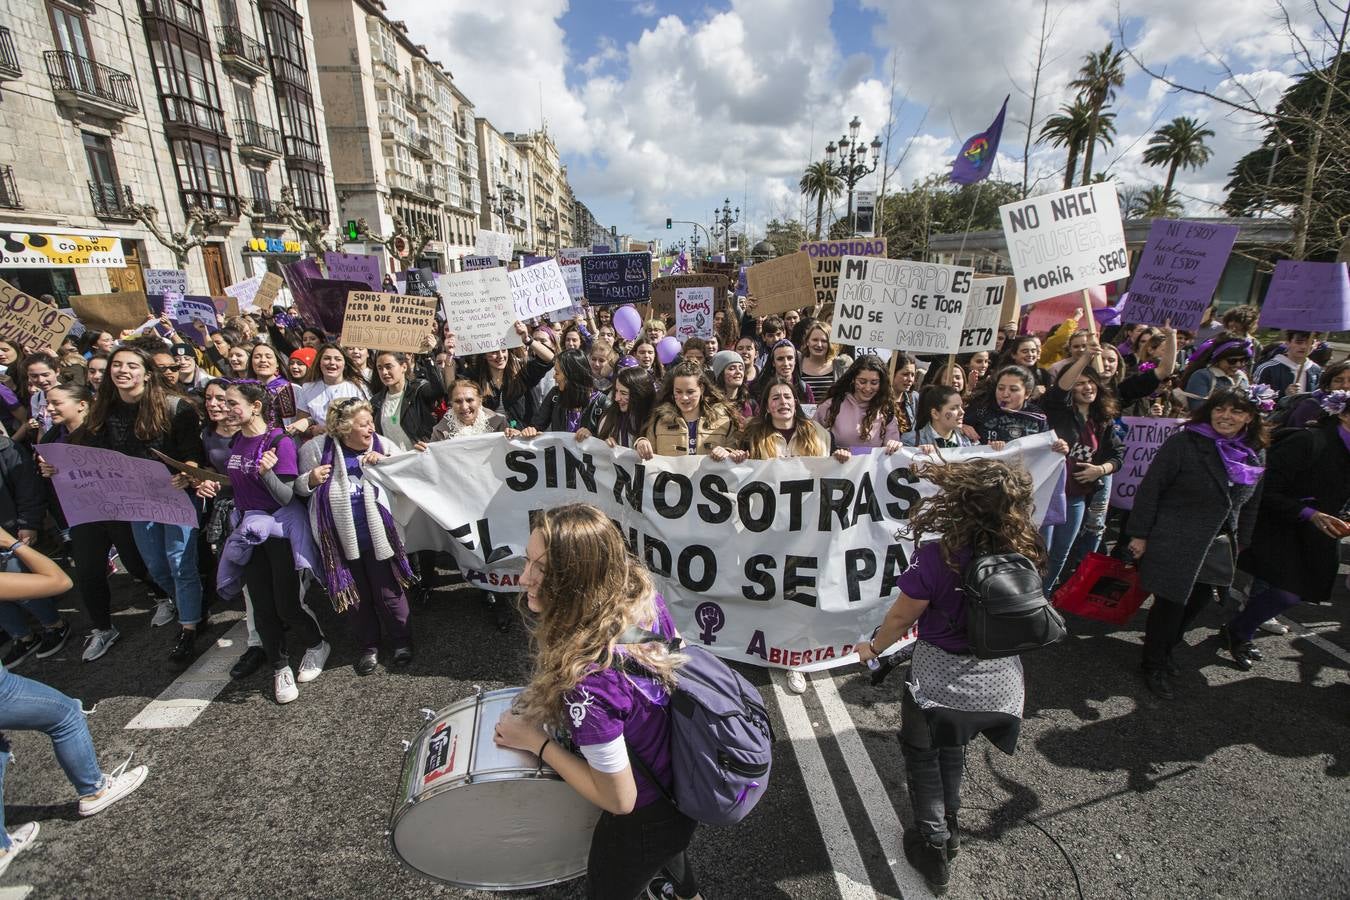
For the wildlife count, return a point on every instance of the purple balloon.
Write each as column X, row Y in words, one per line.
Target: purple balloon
column 667, row 349
column 627, row 322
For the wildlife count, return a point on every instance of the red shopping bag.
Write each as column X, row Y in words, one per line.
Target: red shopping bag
column 1102, row 588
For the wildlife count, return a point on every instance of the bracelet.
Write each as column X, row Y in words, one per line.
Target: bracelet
column 14, row 546
column 871, row 645
column 542, row 748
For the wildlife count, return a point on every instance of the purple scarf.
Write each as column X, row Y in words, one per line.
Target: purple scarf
column 1239, row 460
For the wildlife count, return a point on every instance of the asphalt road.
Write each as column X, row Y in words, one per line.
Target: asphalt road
column 1237, row 788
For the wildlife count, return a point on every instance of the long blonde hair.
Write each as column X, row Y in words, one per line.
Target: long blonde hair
column 592, row 591
column 761, row 437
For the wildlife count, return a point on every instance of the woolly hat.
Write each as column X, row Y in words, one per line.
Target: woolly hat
column 723, row 358
column 306, row 355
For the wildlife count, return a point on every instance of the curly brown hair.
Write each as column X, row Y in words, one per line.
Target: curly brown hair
column 982, row 505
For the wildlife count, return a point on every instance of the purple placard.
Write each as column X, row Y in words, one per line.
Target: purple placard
column 480, row 262
column 600, row 248
column 184, row 310
column 1179, row 270
column 533, row 260
column 96, row 485
column 1143, row 437
column 321, row 301
column 354, row 267
column 1308, row 296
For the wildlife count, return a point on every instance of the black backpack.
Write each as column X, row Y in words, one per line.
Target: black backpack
column 1006, row 609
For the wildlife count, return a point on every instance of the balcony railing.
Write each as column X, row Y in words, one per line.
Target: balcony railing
column 264, row 209
column 241, row 52
column 85, row 81
column 111, row 200
column 421, row 144
column 184, row 15
column 260, row 140
column 9, row 57
column 9, row 194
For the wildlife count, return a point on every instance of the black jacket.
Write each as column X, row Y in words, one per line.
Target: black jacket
column 22, row 502
column 520, row 411
column 1068, row 425
column 417, row 413
column 183, row 440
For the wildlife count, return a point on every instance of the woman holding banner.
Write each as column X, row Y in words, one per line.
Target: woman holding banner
column 332, row 378
column 938, row 425
column 618, row 418
column 981, row 508
column 506, row 380
column 691, row 418
column 822, row 363
column 861, row 411
column 573, row 391
column 1195, row 508
column 1002, row 410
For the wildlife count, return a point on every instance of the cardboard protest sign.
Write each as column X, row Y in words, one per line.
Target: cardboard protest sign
column 195, row 472
column 569, row 260
column 827, row 256
column 781, row 284
column 1048, row 313
column 480, row 262
column 113, row 313
column 1064, row 242
column 29, row 247
column 1308, row 296
column 716, row 267
column 901, row 304
column 96, row 485
column 538, row 289
column 30, row 323
column 610, row 279
column 980, row 330
column 694, row 309
column 497, row 244
column 1179, row 270
column 663, row 289
column 479, row 307
column 388, row 321
column 165, row 281
column 362, row 267
column 1143, row 437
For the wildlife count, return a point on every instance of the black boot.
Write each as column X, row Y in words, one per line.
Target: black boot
column 1238, row 649
column 929, row 860
column 1159, row 683
column 953, row 837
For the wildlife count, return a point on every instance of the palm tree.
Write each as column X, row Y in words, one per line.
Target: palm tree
column 1153, row 203
column 1181, row 142
column 1070, row 127
column 1097, row 80
column 820, row 182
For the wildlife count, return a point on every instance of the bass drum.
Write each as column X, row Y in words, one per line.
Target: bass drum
column 476, row 815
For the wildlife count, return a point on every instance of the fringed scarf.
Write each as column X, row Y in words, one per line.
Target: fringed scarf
column 454, row 428
column 339, row 543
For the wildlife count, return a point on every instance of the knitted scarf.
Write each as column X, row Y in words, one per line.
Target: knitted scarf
column 1240, row 461
column 339, row 543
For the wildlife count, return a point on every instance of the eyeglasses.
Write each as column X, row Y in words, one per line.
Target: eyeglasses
column 171, row 369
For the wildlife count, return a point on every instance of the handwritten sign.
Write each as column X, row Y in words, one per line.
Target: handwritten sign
column 388, row 321
column 828, row 258
column 538, row 289
column 195, row 472
column 96, row 485
column 615, row 278
column 113, row 313
column 480, row 262
column 497, row 244
column 694, row 313
column 186, row 312
column 421, row 282
column 663, row 289
column 1179, row 270
column 1064, row 242
column 30, row 323
column 1308, row 296
column 362, row 267
column 1142, row 439
column 479, row 307
column 902, row 305
column 165, row 281
column 569, row 260
column 781, row 284
column 983, row 315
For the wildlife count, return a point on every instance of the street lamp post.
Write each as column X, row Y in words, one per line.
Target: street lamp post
column 852, row 164
column 725, row 218
column 504, row 203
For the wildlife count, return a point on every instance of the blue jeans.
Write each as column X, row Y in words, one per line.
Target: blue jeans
column 27, row 705
column 1059, row 539
column 1094, row 526
column 170, row 554
column 18, row 626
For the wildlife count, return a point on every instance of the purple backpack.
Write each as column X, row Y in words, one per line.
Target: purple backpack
column 721, row 741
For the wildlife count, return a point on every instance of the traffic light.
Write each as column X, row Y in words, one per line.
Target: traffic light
column 669, row 224
column 351, row 230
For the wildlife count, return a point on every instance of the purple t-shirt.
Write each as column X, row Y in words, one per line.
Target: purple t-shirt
column 928, row 577
column 250, row 494
column 608, row 703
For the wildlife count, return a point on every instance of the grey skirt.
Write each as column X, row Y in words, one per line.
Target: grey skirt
column 962, row 696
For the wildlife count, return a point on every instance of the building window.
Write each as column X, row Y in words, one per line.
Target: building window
column 257, row 185
column 205, row 175
column 186, row 77
column 310, row 195
column 71, row 31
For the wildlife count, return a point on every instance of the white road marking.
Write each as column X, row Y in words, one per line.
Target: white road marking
column 16, row 892
column 865, row 778
column 850, row 875
column 1298, row 631
column 179, row 705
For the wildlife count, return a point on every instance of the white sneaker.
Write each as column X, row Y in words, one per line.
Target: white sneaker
column 20, row 839
column 311, row 664
column 796, row 680
column 98, row 643
column 164, row 613
column 1274, row 626
column 283, row 682
column 121, row 782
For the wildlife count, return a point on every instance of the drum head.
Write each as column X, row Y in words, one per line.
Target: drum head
column 508, row 833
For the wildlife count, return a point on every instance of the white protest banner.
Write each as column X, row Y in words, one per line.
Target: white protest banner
column 772, row 562
column 694, row 313
column 1064, row 242
column 901, row 304
column 538, row 289
column 165, row 281
column 569, row 260
column 982, row 317
column 188, row 311
column 380, row 321
column 1142, row 439
column 496, row 244
column 479, row 308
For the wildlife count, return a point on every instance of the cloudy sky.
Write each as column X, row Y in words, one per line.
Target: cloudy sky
column 663, row 108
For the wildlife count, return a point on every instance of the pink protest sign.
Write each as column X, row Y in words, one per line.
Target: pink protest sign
column 1049, row 313
column 96, row 485
column 1308, row 296
column 1179, row 269
column 1142, row 440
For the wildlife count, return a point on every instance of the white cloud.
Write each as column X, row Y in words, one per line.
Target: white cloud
column 646, row 9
